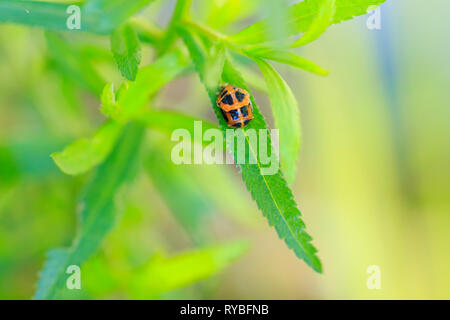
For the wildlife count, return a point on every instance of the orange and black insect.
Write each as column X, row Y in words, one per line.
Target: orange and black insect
column 235, row 105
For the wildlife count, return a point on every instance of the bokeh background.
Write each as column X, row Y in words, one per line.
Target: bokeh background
column 373, row 177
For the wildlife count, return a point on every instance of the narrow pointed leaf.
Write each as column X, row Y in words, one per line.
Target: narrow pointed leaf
column 162, row 274
column 126, row 49
column 271, row 192
column 85, row 153
column 287, row 58
column 321, row 22
column 110, row 107
column 96, row 16
column 97, row 212
column 131, row 98
column 150, row 79
column 286, row 115
column 300, row 17
column 214, row 65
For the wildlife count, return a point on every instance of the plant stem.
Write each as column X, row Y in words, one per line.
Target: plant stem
column 214, row 35
column 147, row 32
column 180, row 12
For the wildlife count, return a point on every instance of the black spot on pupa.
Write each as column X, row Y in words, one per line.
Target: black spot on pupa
column 244, row 111
column 234, row 114
column 223, row 114
column 240, row 96
column 228, row 100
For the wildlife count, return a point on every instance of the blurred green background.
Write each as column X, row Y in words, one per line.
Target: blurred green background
column 373, row 178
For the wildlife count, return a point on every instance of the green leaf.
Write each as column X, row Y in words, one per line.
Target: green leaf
column 55, row 264
column 148, row 32
column 85, row 153
column 321, row 22
column 271, row 192
column 253, row 78
column 213, row 65
column 300, row 17
column 149, row 80
column 110, row 107
column 286, row 116
column 97, row 212
column 126, row 49
column 163, row 274
column 220, row 14
column 103, row 16
column 261, row 51
column 48, row 15
column 286, row 58
column 96, row 16
column 129, row 102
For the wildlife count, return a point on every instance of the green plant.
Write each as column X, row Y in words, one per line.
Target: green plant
column 185, row 46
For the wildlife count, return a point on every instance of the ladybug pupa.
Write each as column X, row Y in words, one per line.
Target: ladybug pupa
column 235, row 105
